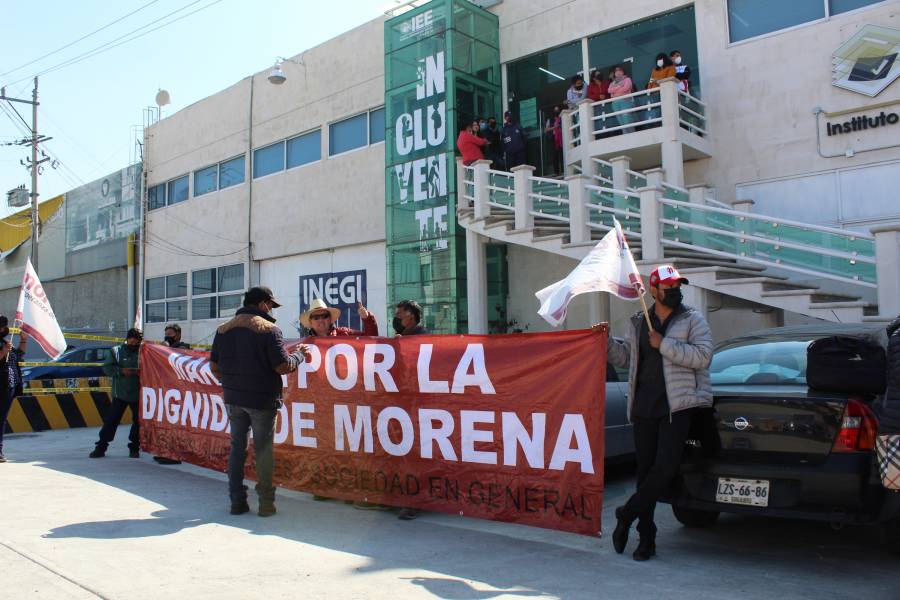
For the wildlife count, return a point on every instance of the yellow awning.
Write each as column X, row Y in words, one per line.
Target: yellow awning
column 16, row 228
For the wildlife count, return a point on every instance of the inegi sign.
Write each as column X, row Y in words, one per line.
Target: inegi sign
column 341, row 290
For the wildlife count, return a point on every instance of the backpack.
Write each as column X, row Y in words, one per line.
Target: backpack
column 846, row 364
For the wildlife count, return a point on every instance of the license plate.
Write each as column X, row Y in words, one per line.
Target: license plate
column 751, row 492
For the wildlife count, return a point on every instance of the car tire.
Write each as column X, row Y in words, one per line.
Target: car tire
column 694, row 517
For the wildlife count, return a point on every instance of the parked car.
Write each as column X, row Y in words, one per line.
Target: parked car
column 618, row 432
column 94, row 354
column 774, row 447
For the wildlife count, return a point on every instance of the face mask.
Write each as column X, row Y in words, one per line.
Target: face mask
column 659, row 63
column 677, row 60
column 398, row 325
column 130, row 348
column 169, row 340
column 672, row 297
column 483, row 126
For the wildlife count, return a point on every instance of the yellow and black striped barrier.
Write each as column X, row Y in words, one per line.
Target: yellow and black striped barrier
column 61, row 404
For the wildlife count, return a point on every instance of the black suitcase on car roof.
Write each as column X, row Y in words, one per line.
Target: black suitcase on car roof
column 846, row 364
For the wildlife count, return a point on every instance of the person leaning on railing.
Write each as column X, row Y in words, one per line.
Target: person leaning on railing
column 621, row 85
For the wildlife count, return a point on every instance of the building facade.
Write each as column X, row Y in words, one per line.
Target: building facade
column 340, row 182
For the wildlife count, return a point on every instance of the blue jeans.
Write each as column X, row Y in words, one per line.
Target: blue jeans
column 5, row 405
column 262, row 422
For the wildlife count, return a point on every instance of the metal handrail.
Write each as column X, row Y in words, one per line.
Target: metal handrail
column 779, row 220
column 550, row 198
column 642, row 107
column 769, row 241
column 548, row 180
column 770, row 263
column 631, row 95
column 610, row 190
column 692, row 98
column 537, row 213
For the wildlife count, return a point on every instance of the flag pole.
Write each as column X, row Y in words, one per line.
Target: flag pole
column 646, row 312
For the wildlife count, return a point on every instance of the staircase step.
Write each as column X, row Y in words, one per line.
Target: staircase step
column 794, row 292
column 767, row 279
column 545, row 237
column 844, row 304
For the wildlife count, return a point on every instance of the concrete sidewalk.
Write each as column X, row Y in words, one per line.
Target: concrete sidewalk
column 72, row 527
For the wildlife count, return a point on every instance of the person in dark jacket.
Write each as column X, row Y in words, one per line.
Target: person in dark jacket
column 494, row 149
column 248, row 357
column 889, row 422
column 123, row 366
column 408, row 321
column 319, row 320
column 513, row 139
column 172, row 339
column 10, row 375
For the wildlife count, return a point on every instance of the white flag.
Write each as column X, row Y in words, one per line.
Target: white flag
column 609, row 267
column 36, row 318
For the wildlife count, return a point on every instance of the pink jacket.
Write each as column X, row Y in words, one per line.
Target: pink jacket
column 621, row 89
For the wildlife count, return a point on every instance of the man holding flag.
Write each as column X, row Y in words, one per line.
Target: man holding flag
column 667, row 351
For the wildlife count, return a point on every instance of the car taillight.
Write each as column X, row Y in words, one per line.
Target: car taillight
column 858, row 428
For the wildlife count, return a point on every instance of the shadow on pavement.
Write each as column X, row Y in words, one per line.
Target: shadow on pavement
column 511, row 559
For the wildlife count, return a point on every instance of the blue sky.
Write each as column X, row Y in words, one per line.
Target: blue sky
column 90, row 107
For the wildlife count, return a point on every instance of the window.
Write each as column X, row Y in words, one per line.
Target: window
column 206, row 284
column 228, row 305
column 166, row 298
column 206, row 180
column 304, row 149
column 268, row 160
column 178, row 190
column 348, row 134
column 231, row 172
column 376, row 125
column 156, row 197
column 840, row 6
column 751, row 18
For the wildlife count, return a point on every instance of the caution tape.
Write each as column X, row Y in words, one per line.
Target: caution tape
column 58, row 364
column 106, row 338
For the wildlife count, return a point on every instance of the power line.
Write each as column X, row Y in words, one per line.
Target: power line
column 84, row 37
column 112, row 43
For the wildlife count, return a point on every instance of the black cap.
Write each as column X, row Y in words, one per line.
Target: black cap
column 258, row 294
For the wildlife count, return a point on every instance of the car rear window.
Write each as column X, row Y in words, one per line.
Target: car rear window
column 763, row 363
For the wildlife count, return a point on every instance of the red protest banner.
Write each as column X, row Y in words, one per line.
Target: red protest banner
column 502, row 427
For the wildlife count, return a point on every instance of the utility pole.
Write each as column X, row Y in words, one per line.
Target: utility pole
column 34, row 164
column 35, row 217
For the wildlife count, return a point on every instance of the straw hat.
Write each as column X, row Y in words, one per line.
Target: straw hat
column 317, row 305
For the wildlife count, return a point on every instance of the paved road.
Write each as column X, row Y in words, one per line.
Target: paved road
column 71, row 527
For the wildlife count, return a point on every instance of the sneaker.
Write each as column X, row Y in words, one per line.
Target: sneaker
column 97, row 453
column 2, row 458
column 240, row 507
column 408, row 514
column 134, row 453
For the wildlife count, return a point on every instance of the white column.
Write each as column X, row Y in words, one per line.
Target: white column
column 522, row 183
column 672, row 155
column 655, row 176
column 566, row 121
column 651, row 231
column 585, row 60
column 887, row 269
column 482, row 193
column 476, row 282
column 698, row 193
column 461, row 201
column 504, row 89
column 620, row 167
column 586, row 119
column 579, row 216
column 743, row 205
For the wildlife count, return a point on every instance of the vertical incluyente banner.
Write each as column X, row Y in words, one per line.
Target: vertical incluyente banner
column 502, row 427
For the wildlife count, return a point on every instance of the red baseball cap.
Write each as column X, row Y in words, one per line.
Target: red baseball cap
column 666, row 274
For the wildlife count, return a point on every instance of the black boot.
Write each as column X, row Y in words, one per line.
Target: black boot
column 239, row 504
column 647, row 544
column 620, row 535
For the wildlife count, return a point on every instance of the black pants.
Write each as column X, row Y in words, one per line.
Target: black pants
column 514, row 159
column 111, row 422
column 659, row 446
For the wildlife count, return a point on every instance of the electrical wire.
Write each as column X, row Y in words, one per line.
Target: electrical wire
column 84, row 37
column 114, row 43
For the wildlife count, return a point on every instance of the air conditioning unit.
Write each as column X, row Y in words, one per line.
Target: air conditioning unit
column 18, row 197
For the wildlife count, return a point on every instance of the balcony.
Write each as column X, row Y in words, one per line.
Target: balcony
column 663, row 126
